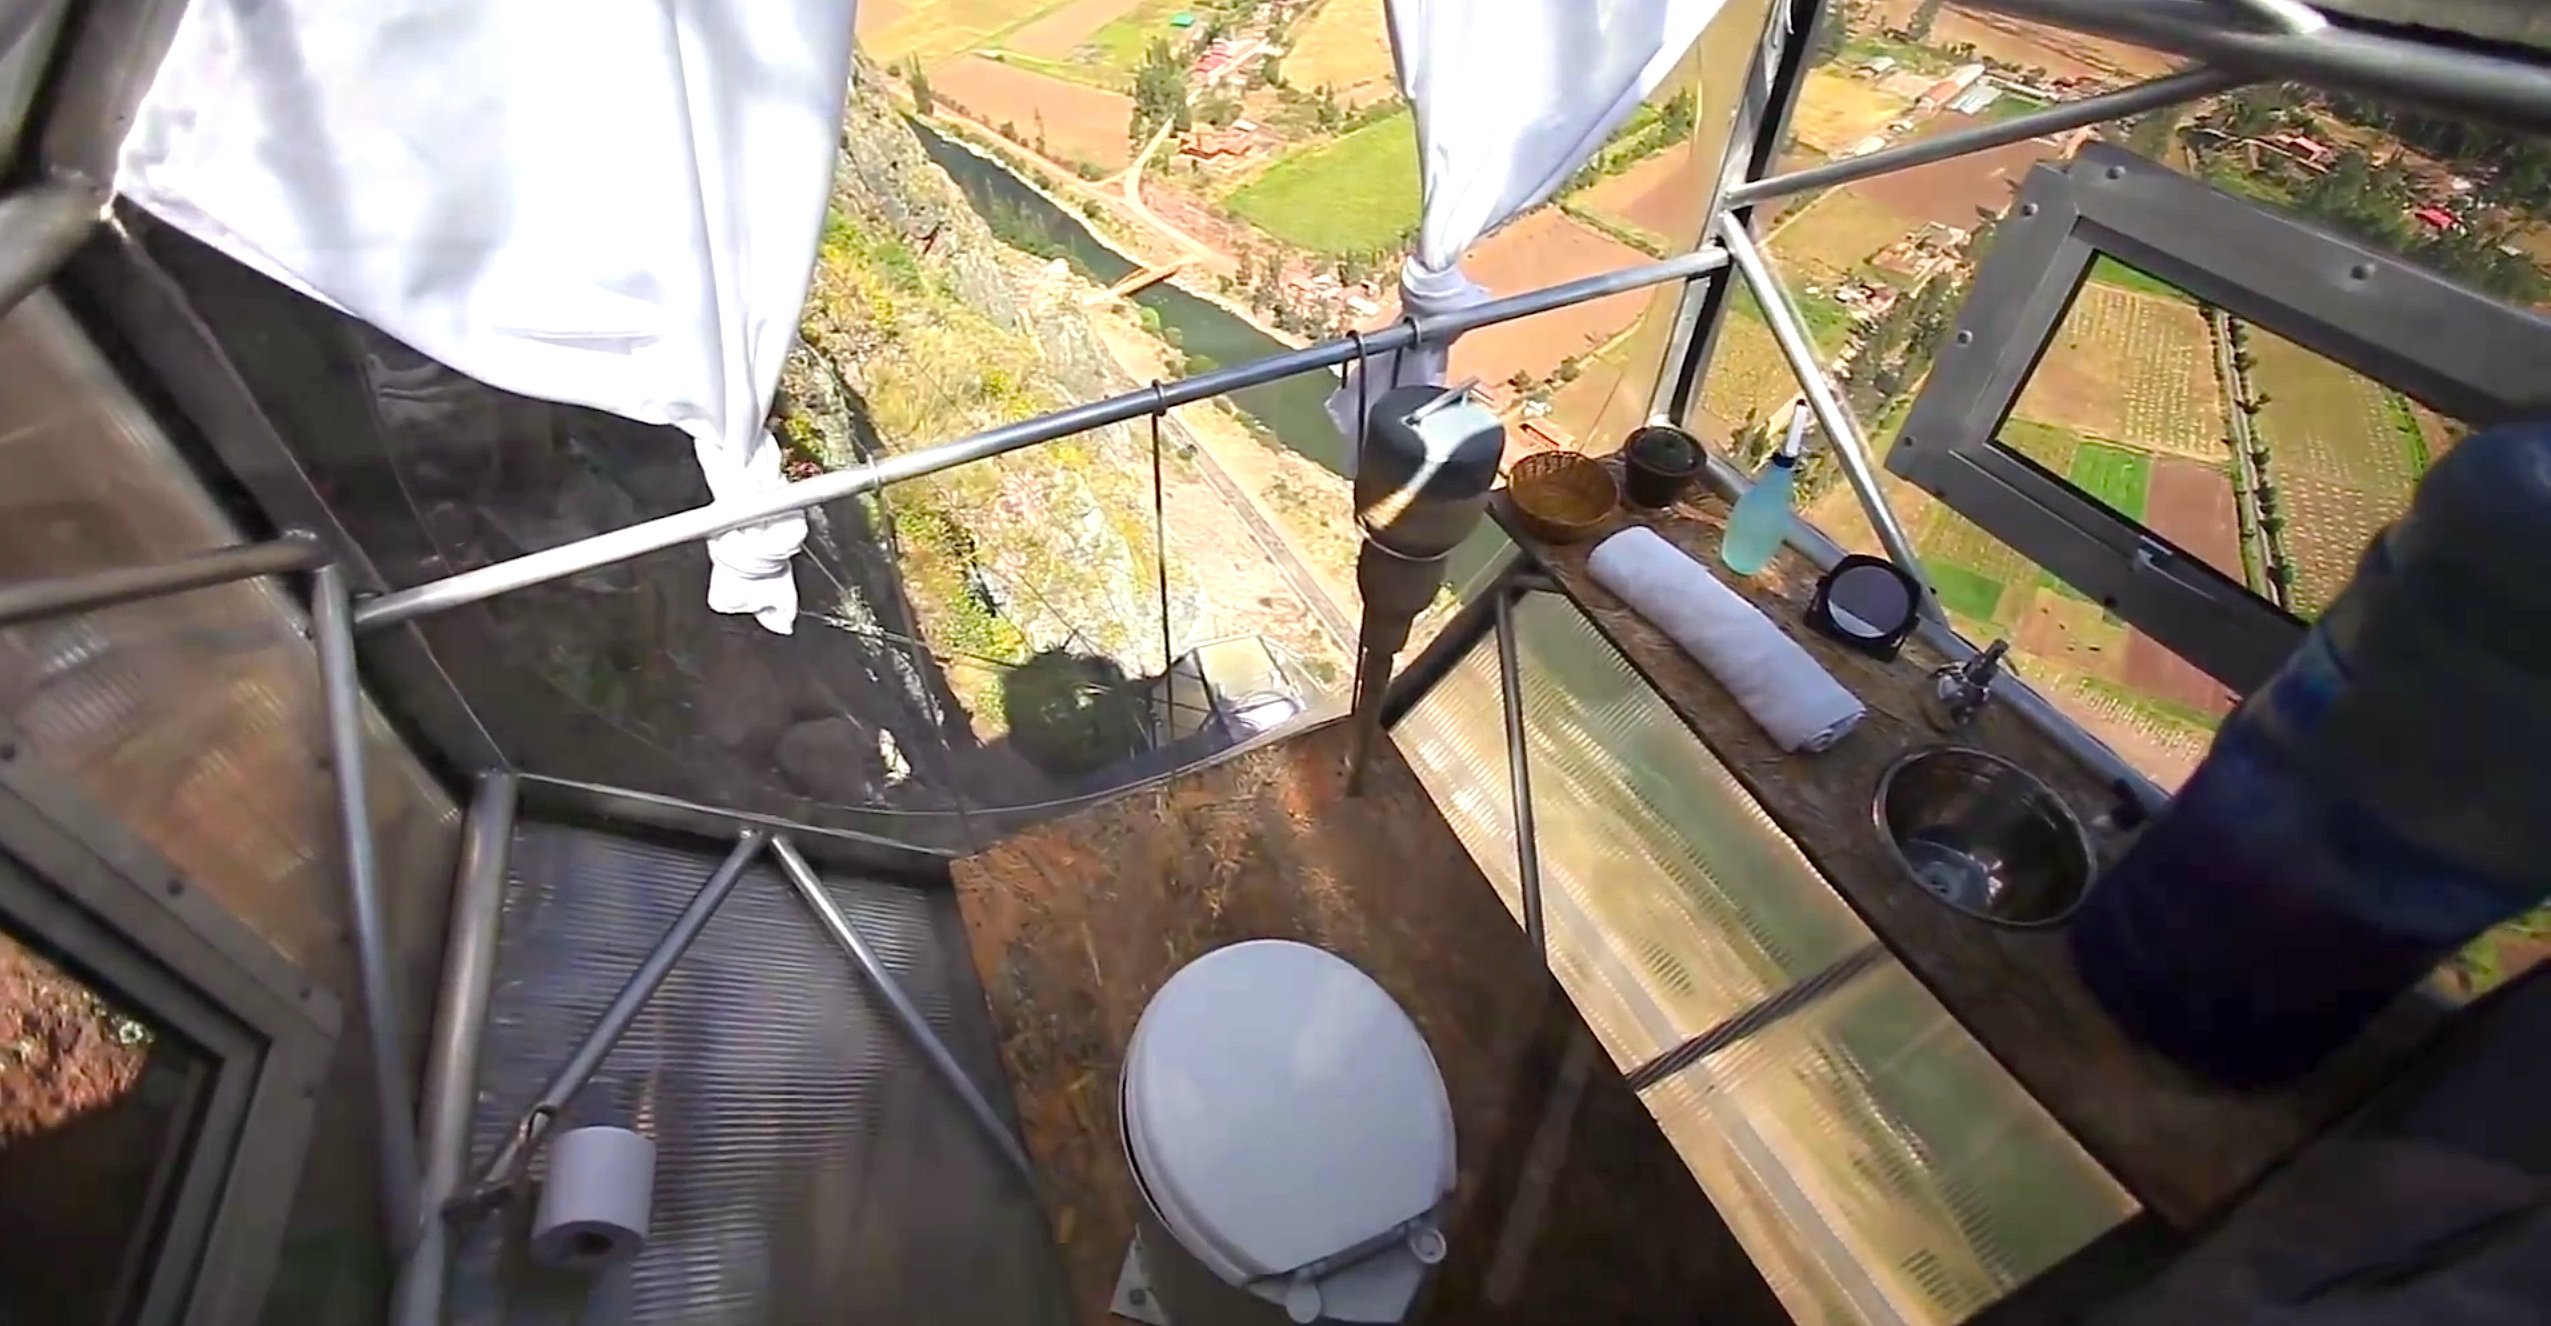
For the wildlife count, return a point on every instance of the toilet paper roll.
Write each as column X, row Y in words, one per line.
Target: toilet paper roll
column 593, row 1204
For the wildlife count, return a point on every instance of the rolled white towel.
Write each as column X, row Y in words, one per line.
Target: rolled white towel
column 1780, row 684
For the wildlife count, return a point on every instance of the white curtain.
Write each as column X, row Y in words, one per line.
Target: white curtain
column 1511, row 97
column 612, row 203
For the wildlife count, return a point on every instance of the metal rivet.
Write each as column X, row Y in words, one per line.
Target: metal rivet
column 2116, row 172
column 307, row 991
column 2028, row 209
column 1966, row 338
column 8, row 750
column 175, row 887
column 2363, row 271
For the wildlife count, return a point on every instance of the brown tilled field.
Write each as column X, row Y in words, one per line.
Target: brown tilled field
column 1831, row 237
column 1542, row 249
column 2151, row 669
column 1345, row 47
column 1061, row 31
column 1960, row 190
column 1837, row 110
column 2191, row 505
column 1081, row 123
column 1661, row 196
column 2132, row 368
column 2058, row 52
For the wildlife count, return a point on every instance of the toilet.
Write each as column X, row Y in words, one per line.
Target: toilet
column 1290, row 1141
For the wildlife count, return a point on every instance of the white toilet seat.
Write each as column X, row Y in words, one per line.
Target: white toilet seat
column 1280, row 1110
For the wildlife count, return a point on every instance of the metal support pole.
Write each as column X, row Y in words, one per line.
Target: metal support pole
column 451, row 1058
column 393, row 1092
column 1841, row 434
column 1750, row 1021
column 614, row 1022
column 40, row 226
column 1519, row 775
column 916, row 1028
column 1469, row 625
column 33, row 599
column 2168, row 90
column 718, row 517
column 2507, row 89
column 2284, row 15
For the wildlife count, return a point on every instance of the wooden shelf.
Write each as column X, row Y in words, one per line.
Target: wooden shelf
column 2183, row 1147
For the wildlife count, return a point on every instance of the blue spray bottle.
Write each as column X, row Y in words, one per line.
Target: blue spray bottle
column 1761, row 518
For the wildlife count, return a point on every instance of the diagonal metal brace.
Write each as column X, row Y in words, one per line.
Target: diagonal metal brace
column 502, row 1179
column 906, row 1013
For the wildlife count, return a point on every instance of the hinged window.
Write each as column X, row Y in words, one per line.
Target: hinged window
column 2210, row 528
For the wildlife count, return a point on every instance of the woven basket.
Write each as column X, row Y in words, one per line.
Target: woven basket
column 1560, row 496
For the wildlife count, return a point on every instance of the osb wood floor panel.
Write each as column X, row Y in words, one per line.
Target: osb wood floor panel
column 2182, row 1146
column 1076, row 923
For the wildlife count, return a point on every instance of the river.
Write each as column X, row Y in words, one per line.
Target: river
column 1291, row 410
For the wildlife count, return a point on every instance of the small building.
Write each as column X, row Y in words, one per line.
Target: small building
column 2435, row 218
column 2302, row 147
column 1975, row 99
column 1950, row 88
column 1878, row 66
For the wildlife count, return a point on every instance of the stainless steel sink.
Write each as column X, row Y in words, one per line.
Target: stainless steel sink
column 1984, row 836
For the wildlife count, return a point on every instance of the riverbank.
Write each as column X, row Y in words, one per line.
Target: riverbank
column 1066, row 191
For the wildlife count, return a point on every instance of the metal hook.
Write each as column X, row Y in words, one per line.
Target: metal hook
column 495, row 1196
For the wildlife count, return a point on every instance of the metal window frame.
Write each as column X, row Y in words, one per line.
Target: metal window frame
column 70, row 874
column 2460, row 352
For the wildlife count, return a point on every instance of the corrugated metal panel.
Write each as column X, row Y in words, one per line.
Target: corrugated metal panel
column 195, row 720
column 1672, row 901
column 1884, row 1166
column 809, row 1166
column 1454, row 740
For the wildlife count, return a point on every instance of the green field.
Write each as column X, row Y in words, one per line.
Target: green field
column 1120, row 43
column 2114, row 475
column 1355, row 194
column 2052, row 446
column 2109, row 271
column 1963, row 591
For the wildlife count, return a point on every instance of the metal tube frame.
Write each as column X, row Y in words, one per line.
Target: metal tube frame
column 907, row 1015
column 40, row 227
column 1519, row 774
column 451, row 1061
column 2167, row 90
column 496, row 1181
column 1469, row 625
column 33, row 599
column 1748, row 1022
column 700, row 523
column 393, row 1090
column 2284, row 15
column 114, row 54
column 1842, row 432
column 2505, row 88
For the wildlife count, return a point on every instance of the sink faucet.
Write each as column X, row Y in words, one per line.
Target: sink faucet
column 1960, row 689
